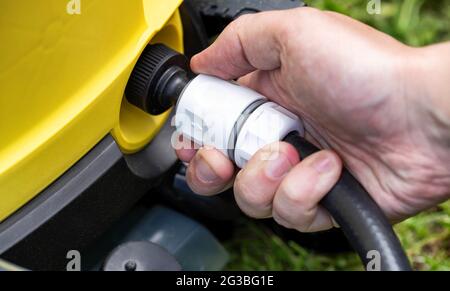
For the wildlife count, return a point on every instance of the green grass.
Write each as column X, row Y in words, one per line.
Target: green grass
column 257, row 248
column 426, row 237
column 415, row 22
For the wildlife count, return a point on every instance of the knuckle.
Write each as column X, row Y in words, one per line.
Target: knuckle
column 295, row 196
column 303, row 227
column 288, row 219
column 300, row 224
column 306, row 13
column 244, row 189
column 281, row 221
column 242, row 19
column 236, row 25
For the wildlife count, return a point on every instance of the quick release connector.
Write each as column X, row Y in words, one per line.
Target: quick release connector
column 233, row 119
column 210, row 111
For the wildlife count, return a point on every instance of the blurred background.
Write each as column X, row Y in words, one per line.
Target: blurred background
column 426, row 237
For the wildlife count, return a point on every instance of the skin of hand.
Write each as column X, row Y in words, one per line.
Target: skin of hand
column 372, row 103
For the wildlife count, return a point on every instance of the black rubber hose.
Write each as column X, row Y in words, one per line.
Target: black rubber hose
column 361, row 220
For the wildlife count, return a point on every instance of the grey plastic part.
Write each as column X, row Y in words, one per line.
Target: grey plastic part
column 141, row 256
column 194, row 247
column 157, row 157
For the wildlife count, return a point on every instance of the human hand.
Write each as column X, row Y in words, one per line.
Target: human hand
column 361, row 94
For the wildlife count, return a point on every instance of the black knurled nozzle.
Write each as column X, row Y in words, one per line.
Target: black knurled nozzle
column 157, row 79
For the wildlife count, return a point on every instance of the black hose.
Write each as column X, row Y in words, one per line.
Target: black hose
column 361, row 220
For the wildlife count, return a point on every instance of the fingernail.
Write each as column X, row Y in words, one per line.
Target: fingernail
column 204, row 171
column 323, row 164
column 277, row 166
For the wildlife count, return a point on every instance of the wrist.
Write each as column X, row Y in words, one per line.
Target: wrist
column 428, row 81
column 426, row 87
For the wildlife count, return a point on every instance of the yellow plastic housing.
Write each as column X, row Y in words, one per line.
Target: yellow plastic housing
column 64, row 66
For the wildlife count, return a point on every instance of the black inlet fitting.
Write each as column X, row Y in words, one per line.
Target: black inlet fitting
column 158, row 79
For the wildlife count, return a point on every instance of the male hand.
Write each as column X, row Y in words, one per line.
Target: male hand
column 372, row 103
